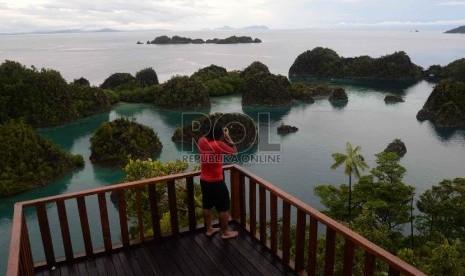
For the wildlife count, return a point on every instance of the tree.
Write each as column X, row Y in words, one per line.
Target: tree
column 384, row 193
column 443, row 209
column 147, row 77
column 354, row 162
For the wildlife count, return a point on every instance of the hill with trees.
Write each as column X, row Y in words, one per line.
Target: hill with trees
column 324, row 62
column 454, row 71
column 265, row 88
column 117, row 141
column 28, row 160
column 43, row 98
column 185, row 40
column 218, row 81
column 445, row 107
column 182, row 92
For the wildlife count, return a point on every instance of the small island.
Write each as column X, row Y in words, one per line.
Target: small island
column 286, row 129
column 160, row 40
column 445, row 107
column 458, row 30
column 338, row 95
column 242, row 129
column 393, row 99
column 265, row 88
column 398, row 147
column 114, row 142
column 182, row 92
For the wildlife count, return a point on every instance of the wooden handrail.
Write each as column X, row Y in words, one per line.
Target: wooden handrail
column 358, row 240
column 20, row 258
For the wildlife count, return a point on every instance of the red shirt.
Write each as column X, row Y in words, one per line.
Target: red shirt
column 211, row 159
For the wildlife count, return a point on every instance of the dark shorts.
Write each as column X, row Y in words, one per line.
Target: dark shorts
column 215, row 194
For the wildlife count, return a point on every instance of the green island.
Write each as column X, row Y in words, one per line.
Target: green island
column 185, row 40
column 28, row 160
column 116, row 141
column 241, row 128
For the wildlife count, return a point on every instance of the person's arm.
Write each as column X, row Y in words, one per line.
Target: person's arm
column 229, row 141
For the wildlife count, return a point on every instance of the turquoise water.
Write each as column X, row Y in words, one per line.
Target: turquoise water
column 366, row 120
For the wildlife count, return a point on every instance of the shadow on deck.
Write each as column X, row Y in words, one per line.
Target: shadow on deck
column 187, row 254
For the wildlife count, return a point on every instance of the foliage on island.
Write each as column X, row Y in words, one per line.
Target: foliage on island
column 182, row 92
column 393, row 99
column 458, row 30
column 114, row 142
column 43, row 98
column 185, row 40
column 324, row 62
column 398, row 147
column 28, row 160
column 338, row 95
column 454, row 71
column 138, row 170
column 126, row 81
column 285, row 129
column 242, row 129
column 218, row 81
column 265, row 88
column 382, row 207
column 445, row 107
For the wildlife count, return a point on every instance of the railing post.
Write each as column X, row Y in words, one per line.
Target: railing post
column 235, row 194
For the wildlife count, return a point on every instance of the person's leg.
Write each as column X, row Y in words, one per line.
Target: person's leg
column 224, row 221
column 207, row 222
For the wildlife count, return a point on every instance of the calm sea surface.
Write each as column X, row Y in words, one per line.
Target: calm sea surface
column 432, row 154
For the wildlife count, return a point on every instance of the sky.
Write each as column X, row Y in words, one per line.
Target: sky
column 184, row 15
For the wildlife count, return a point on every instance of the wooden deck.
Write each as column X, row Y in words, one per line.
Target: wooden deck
column 188, row 254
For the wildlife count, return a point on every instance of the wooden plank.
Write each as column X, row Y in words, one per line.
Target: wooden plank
column 369, row 266
column 85, row 226
column 393, row 271
column 274, row 223
column 198, row 255
column 91, row 266
column 300, row 241
column 158, row 256
column 119, row 267
column 108, row 263
column 65, row 234
column 235, row 195
column 173, row 208
column 312, row 246
column 102, row 203
column 253, row 207
column 191, row 204
column 123, row 219
column 262, row 214
column 146, row 263
column 223, row 263
column 154, row 211
column 349, row 251
column 330, row 252
column 243, row 211
column 101, row 268
column 26, row 254
column 286, row 232
column 178, row 258
column 140, row 219
column 45, row 233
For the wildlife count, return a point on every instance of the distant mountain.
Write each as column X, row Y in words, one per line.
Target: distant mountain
column 67, row 31
column 459, row 30
column 229, row 28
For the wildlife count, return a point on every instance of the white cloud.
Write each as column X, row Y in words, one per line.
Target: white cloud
column 452, row 3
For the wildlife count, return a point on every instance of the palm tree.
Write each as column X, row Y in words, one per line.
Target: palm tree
column 354, row 162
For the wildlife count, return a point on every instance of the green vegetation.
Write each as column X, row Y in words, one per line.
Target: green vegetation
column 241, row 128
column 29, row 160
column 353, row 163
column 43, row 98
column 137, row 170
column 115, row 141
column 185, row 40
column 218, row 81
column 264, row 88
column 454, row 71
column 445, row 107
column 182, row 92
column 383, row 205
column 324, row 62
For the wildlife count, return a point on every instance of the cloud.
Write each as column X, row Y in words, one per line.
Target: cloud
column 452, row 3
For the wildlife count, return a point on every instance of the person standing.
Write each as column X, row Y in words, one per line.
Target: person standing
column 215, row 193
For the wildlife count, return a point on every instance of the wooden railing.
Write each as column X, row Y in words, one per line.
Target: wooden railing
column 244, row 188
